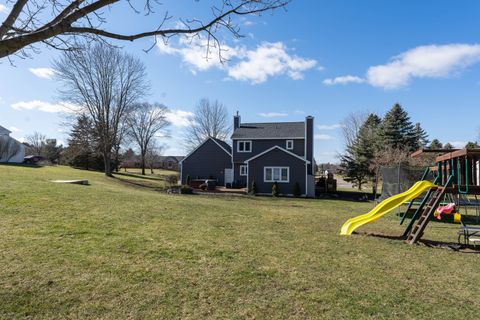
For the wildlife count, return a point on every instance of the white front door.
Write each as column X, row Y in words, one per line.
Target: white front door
column 228, row 176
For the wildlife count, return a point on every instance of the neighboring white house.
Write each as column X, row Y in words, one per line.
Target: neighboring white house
column 11, row 150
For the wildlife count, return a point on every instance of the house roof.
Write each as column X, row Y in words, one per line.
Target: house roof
column 165, row 158
column 222, row 144
column 270, row 130
column 4, row 131
column 275, row 148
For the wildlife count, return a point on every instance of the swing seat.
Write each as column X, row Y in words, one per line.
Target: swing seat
column 449, row 208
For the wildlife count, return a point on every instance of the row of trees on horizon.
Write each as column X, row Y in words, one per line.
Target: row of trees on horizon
column 372, row 142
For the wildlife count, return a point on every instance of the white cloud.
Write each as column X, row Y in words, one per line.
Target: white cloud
column 14, row 129
column 319, row 136
column 272, row 114
column 194, row 53
column 179, row 118
column 46, row 73
column 4, row 9
column 299, row 112
column 343, row 80
column 44, row 106
column 432, row 61
column 329, row 126
column 458, row 144
column 270, row 59
column 255, row 66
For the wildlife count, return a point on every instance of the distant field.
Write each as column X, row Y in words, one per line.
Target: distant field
column 148, row 172
column 113, row 250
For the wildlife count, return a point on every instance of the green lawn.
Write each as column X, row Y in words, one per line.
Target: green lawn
column 110, row 250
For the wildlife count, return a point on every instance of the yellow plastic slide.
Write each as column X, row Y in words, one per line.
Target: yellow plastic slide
column 386, row 206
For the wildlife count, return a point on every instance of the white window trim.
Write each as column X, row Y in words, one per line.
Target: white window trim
column 286, row 145
column 238, row 146
column 246, row 170
column 278, row 181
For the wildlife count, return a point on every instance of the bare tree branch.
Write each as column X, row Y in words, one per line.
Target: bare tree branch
column 105, row 85
column 210, row 120
column 143, row 124
column 25, row 25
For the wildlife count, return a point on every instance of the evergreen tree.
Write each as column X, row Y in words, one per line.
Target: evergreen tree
column 275, row 189
column 254, row 188
column 448, row 146
column 435, row 144
column 357, row 161
column 421, row 136
column 397, row 131
column 52, row 151
column 297, row 191
column 83, row 148
column 472, row 145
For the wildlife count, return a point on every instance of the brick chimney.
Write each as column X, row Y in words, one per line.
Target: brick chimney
column 236, row 121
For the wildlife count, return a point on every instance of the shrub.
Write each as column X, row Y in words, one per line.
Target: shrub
column 186, row 190
column 254, row 188
column 297, row 192
column 275, row 190
column 171, row 179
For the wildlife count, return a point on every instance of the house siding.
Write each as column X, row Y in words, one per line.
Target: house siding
column 277, row 158
column 259, row 146
column 240, row 181
column 19, row 156
column 309, row 143
column 208, row 161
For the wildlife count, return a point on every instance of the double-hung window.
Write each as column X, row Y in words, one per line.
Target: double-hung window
column 289, row 145
column 243, row 170
column 244, row 146
column 276, row 174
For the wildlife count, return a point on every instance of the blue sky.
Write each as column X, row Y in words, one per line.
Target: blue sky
column 320, row 58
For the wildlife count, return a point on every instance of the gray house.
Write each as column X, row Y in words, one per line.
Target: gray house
column 212, row 159
column 280, row 152
column 266, row 153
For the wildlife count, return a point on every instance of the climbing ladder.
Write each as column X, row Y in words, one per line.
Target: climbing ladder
column 419, row 227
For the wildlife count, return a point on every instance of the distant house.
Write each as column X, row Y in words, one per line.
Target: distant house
column 212, row 159
column 11, row 150
column 169, row 162
column 267, row 153
column 162, row 162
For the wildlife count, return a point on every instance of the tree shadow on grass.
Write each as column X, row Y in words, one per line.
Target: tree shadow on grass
column 23, row 165
column 454, row 246
column 139, row 176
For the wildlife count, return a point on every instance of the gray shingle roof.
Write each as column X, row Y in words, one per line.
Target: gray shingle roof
column 270, row 130
column 225, row 145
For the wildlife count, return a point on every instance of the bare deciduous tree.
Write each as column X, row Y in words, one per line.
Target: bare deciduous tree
column 350, row 126
column 56, row 23
column 143, row 123
column 8, row 148
column 104, row 84
column 153, row 155
column 210, row 120
column 36, row 143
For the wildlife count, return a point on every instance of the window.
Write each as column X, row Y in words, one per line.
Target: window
column 243, row 170
column 289, row 144
column 244, row 146
column 276, row 174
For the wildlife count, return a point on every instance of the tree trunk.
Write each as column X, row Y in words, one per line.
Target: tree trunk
column 107, row 162
column 143, row 163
